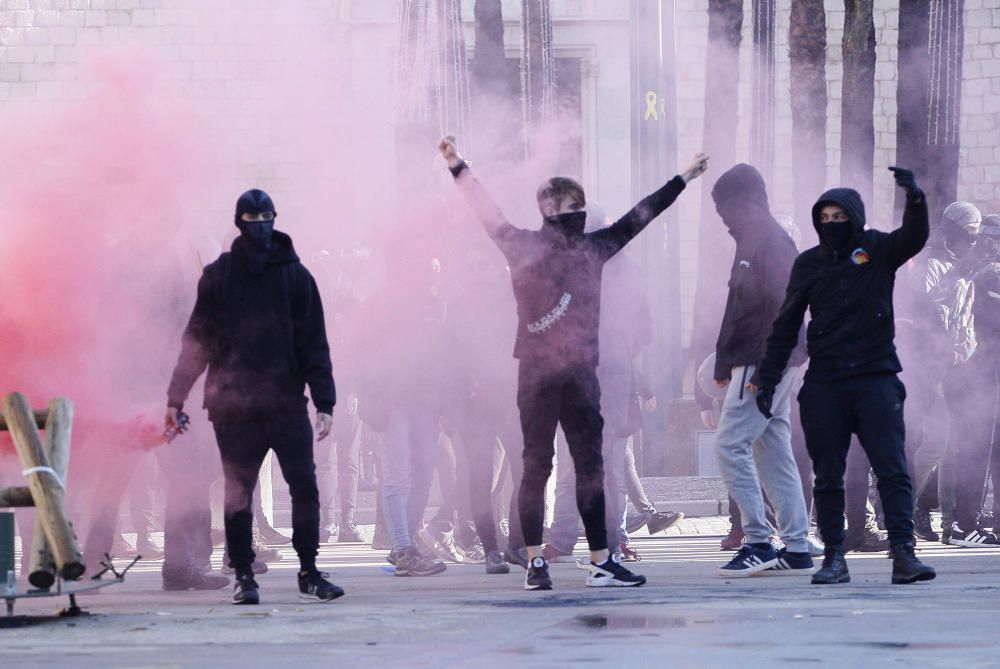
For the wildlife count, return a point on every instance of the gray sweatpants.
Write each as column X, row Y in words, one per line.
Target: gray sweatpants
column 754, row 451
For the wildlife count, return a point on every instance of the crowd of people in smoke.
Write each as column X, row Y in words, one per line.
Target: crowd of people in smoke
column 426, row 389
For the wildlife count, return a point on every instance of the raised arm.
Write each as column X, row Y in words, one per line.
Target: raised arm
column 909, row 239
column 612, row 239
column 479, row 199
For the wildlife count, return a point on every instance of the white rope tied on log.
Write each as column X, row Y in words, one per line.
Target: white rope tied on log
column 45, row 470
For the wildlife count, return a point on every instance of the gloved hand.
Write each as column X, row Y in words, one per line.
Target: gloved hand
column 906, row 181
column 765, row 397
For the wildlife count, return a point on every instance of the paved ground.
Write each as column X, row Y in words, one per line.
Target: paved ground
column 685, row 617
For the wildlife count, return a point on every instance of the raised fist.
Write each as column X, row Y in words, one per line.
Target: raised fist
column 905, row 180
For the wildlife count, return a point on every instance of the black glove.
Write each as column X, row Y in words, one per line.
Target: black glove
column 906, row 181
column 765, row 397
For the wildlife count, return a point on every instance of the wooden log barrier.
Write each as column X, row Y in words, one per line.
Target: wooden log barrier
column 40, row 416
column 17, row 496
column 58, row 434
column 45, row 484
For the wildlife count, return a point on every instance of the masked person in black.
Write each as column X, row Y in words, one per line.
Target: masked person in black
column 258, row 327
column 851, row 386
column 556, row 275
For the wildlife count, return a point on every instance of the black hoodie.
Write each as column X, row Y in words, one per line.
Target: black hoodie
column 556, row 273
column 258, row 326
column 848, row 292
column 764, row 257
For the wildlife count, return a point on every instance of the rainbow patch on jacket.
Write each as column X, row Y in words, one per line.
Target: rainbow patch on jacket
column 860, row 256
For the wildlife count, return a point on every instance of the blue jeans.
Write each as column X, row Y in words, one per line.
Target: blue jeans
column 409, row 452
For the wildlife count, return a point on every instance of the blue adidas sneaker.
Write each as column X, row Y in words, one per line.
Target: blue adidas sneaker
column 749, row 560
column 790, row 564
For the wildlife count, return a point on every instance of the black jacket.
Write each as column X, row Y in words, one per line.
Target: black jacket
column 848, row 292
column 258, row 327
column 556, row 274
column 764, row 257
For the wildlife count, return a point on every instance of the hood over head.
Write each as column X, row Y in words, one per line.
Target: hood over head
column 740, row 197
column 850, row 201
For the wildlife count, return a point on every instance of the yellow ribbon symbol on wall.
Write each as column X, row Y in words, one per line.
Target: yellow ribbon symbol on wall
column 650, row 106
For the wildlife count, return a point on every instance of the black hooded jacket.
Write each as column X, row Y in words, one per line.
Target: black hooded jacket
column 764, row 257
column 848, row 292
column 258, row 327
column 556, row 274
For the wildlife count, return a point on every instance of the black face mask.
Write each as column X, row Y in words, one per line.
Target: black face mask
column 837, row 234
column 258, row 233
column 571, row 223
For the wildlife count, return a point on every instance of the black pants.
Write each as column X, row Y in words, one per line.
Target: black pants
column 970, row 392
column 479, row 428
column 570, row 397
column 243, row 442
column 870, row 406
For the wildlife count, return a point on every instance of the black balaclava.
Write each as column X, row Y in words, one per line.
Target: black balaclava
column 838, row 236
column 257, row 233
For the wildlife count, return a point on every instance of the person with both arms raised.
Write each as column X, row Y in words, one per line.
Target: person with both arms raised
column 851, row 385
column 556, row 276
column 258, row 327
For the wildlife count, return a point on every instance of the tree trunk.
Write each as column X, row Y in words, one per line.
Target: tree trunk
column 537, row 66
column 911, row 92
column 762, row 72
column 857, row 135
column 807, row 56
column 946, row 46
column 725, row 25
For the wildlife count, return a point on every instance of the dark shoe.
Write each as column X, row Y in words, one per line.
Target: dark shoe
column 906, row 568
column 475, row 553
column 663, row 520
column 868, row 540
column 922, row 526
column 349, row 534
column 495, row 564
column 262, row 552
column 245, row 590
column 611, row 573
column 271, row 536
column 191, row 578
column 834, row 569
column 635, row 522
column 411, row 563
column 733, row 540
column 749, row 560
column 394, row 555
column 537, row 575
column 313, row 585
column 518, row 556
column 790, row 564
column 946, row 533
column 974, row 538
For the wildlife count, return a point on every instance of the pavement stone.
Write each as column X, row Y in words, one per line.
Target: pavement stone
column 686, row 616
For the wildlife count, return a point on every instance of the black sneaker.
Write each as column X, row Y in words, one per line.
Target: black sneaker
column 663, row 520
column 349, row 534
column 191, row 578
column 611, row 573
column 537, row 575
column 867, row 540
column 409, row 562
column 245, row 590
column 946, row 533
column 495, row 564
column 790, row 564
column 313, row 585
column 906, row 568
column 834, row 569
column 518, row 556
column 975, row 538
column 922, row 526
column 750, row 559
